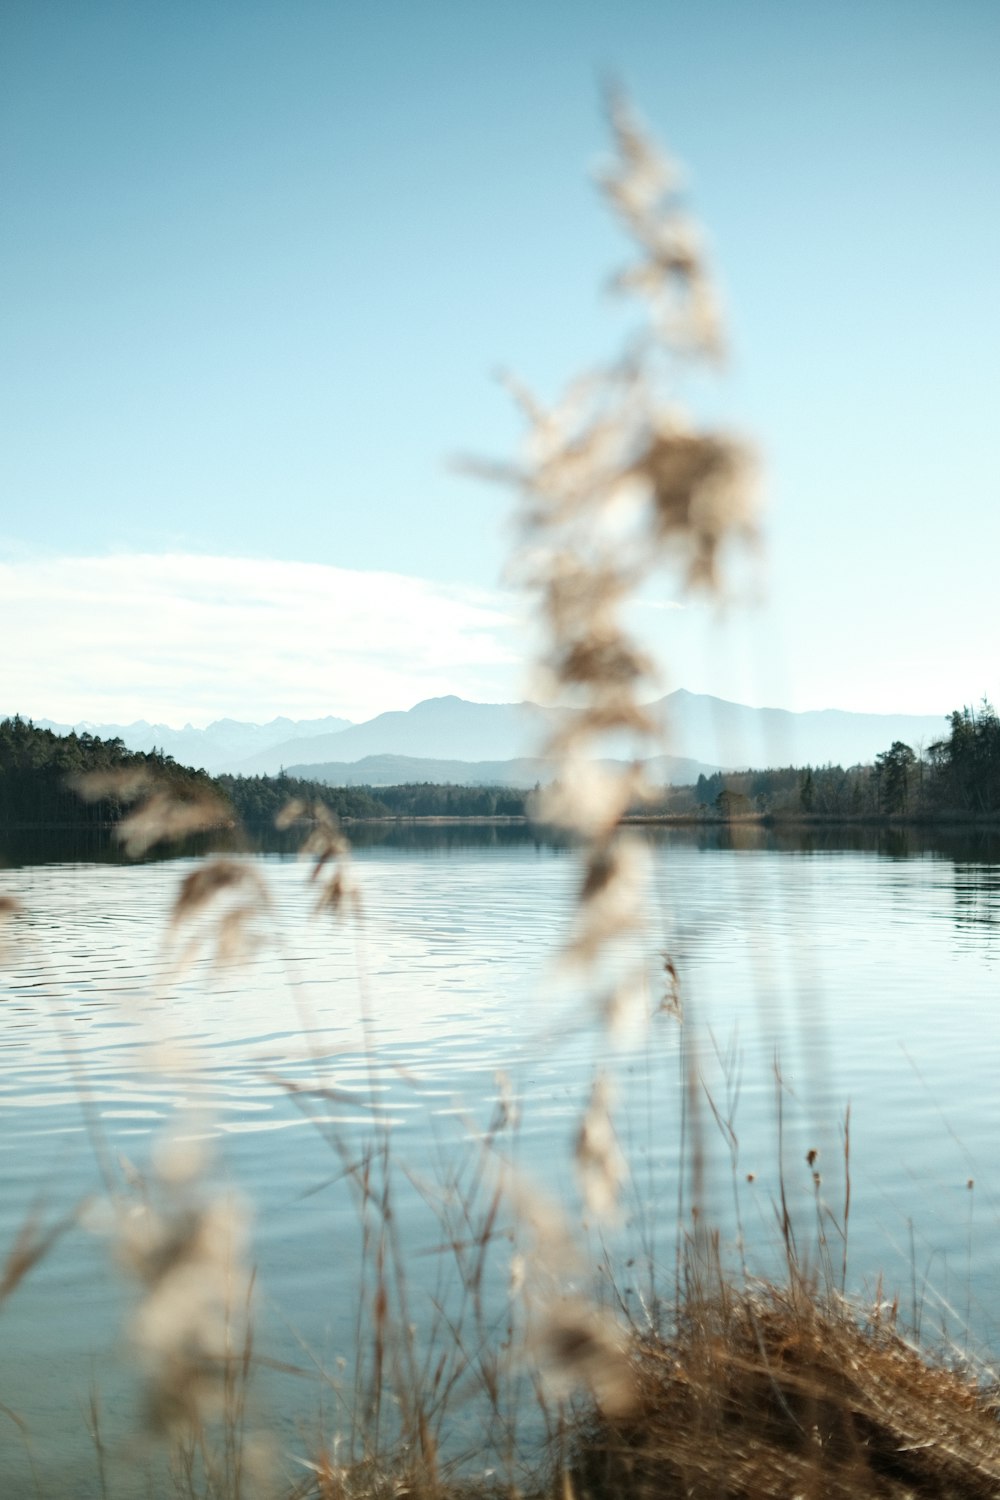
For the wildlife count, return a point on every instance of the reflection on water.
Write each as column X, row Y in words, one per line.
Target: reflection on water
column 977, row 896
column 863, row 960
column 43, row 846
column 82, row 845
column 961, row 843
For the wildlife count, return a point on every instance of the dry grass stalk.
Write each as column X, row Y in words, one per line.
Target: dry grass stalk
column 165, row 818
column 10, row 911
column 610, row 900
column 582, row 1346
column 219, row 907
column 600, row 1164
column 31, row 1244
column 778, row 1393
column 330, row 852
column 618, row 486
column 126, row 784
column 574, row 1343
column 161, row 817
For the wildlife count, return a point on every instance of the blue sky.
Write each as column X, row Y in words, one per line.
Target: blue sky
column 261, row 263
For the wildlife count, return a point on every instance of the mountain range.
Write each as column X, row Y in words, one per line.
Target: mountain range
column 452, row 739
column 220, row 747
column 711, row 731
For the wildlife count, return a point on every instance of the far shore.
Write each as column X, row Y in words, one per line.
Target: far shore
column 957, row 820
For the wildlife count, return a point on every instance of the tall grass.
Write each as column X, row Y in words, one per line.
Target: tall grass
column 717, row 1385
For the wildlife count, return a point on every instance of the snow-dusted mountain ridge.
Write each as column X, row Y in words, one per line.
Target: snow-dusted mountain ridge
column 219, row 747
column 699, row 727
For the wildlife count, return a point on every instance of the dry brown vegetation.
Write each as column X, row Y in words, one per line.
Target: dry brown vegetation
column 768, row 1391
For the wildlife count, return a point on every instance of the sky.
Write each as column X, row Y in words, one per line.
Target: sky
column 261, row 264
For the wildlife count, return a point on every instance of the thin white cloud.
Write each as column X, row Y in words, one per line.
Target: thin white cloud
column 182, row 637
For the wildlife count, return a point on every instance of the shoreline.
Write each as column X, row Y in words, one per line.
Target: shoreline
column 957, row 820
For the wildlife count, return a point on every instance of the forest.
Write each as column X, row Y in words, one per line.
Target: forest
column 956, row 776
column 44, row 781
column 42, row 775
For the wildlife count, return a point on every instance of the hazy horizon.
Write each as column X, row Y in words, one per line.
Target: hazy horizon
column 332, row 713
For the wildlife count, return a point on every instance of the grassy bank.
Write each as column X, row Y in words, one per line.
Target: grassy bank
column 777, row 1391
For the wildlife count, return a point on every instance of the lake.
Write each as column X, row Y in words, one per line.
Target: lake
column 817, row 972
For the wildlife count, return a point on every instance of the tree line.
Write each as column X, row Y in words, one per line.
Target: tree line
column 258, row 799
column 428, row 800
column 41, row 775
column 956, row 775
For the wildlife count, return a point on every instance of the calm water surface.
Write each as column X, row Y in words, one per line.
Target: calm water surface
column 865, row 976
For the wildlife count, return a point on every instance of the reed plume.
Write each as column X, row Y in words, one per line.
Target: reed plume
column 617, row 487
column 183, row 1246
column 161, row 813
